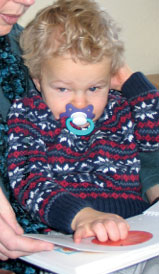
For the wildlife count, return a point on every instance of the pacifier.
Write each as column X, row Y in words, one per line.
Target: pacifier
column 79, row 117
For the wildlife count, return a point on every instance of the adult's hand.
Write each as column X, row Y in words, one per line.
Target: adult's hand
column 12, row 242
column 153, row 193
column 120, row 77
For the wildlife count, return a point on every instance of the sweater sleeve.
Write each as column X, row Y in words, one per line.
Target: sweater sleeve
column 31, row 176
column 149, row 173
column 144, row 102
column 137, row 84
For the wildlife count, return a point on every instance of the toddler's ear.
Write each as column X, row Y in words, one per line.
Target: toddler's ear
column 37, row 84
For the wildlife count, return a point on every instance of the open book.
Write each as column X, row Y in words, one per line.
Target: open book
column 91, row 257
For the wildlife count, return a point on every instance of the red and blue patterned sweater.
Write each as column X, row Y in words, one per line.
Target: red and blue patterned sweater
column 55, row 173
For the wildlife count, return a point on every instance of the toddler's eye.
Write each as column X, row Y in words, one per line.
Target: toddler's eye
column 62, row 89
column 93, row 88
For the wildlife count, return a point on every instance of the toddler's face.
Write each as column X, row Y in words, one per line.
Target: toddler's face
column 64, row 81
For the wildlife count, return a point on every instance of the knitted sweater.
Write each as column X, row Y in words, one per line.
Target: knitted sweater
column 55, row 173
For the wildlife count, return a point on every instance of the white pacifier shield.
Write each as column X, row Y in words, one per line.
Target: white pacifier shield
column 79, row 118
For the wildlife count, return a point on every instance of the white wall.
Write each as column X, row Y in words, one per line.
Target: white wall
column 139, row 20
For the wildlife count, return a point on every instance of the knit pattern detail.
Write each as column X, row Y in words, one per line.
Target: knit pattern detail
column 55, row 173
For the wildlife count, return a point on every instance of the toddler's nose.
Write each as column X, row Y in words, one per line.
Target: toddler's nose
column 79, row 100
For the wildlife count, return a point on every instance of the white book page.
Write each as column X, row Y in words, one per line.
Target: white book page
column 138, row 223
column 68, row 257
column 153, row 210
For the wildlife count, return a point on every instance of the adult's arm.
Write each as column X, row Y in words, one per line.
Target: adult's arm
column 149, row 175
column 125, row 80
column 13, row 243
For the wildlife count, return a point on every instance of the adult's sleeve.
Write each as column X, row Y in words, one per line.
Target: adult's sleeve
column 149, row 173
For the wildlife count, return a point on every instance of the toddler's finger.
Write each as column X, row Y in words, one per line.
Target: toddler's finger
column 123, row 228
column 100, row 231
column 112, row 230
column 81, row 233
column 78, row 235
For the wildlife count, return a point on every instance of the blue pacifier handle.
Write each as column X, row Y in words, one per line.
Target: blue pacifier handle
column 81, row 132
column 70, row 109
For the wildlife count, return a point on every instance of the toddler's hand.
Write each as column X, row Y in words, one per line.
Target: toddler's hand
column 89, row 222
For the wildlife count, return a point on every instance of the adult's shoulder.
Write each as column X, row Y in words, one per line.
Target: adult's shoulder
column 14, row 42
column 14, row 38
column 16, row 31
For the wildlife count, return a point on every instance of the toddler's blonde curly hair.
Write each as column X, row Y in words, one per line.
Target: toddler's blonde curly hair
column 79, row 27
